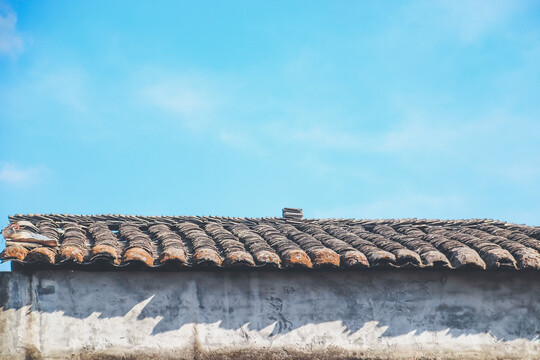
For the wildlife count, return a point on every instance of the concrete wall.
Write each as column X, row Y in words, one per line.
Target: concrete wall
column 247, row 314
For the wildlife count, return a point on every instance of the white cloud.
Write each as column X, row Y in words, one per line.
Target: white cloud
column 474, row 19
column 316, row 135
column 407, row 136
column 325, row 138
column 193, row 100
column 10, row 40
column 48, row 91
column 176, row 99
column 14, row 175
column 67, row 86
column 242, row 140
column 466, row 21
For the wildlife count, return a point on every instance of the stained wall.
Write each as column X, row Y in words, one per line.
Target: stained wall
column 394, row 314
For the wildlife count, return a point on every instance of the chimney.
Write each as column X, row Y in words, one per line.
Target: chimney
column 292, row 213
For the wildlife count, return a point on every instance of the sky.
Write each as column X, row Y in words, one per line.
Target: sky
column 347, row 109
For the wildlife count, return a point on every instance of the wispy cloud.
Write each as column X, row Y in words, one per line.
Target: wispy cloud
column 11, row 42
column 465, row 21
column 190, row 99
column 242, row 140
column 474, row 19
column 423, row 131
column 318, row 136
column 47, row 88
column 67, row 86
column 407, row 136
column 12, row 174
column 177, row 99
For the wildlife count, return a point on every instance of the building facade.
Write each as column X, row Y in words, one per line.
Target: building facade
column 113, row 287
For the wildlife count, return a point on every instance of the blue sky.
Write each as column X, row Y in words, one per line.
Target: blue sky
column 363, row 109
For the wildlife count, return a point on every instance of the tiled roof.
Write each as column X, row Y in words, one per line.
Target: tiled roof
column 290, row 242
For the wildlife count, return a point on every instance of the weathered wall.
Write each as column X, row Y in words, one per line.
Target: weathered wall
column 248, row 314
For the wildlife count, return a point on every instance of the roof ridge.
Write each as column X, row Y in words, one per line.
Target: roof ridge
column 149, row 218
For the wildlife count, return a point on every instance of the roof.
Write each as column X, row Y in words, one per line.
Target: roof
column 181, row 242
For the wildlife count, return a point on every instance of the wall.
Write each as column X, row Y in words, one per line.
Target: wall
column 396, row 314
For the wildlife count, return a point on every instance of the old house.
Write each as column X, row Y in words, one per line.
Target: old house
column 190, row 287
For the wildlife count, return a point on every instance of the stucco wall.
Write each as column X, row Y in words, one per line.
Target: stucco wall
column 236, row 314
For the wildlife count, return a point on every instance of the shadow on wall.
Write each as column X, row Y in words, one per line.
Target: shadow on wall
column 394, row 303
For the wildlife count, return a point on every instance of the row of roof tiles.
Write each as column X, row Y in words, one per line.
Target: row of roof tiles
column 276, row 242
